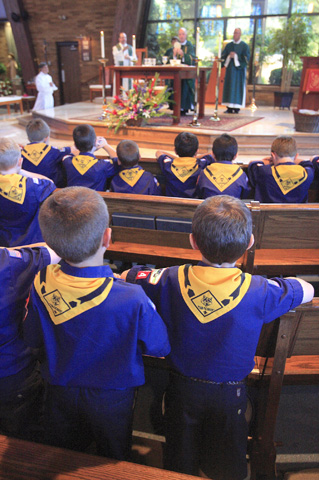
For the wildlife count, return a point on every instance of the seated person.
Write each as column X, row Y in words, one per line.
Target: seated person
column 92, row 327
column 181, row 171
column 221, row 176
column 132, row 178
column 21, row 194
column 39, row 157
column 85, row 169
column 214, row 315
column 21, row 385
column 281, row 178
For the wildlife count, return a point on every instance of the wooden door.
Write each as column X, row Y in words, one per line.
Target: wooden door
column 69, row 72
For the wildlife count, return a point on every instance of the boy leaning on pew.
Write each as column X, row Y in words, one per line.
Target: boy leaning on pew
column 214, row 314
column 21, row 194
column 39, row 157
column 222, row 177
column 283, row 177
column 181, row 171
column 84, row 169
column 92, row 327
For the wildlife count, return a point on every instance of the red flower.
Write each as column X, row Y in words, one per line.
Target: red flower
column 116, row 99
column 114, row 112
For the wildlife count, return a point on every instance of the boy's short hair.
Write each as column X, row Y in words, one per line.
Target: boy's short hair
column 84, row 137
column 284, row 146
column 37, row 130
column 73, row 221
column 186, row 144
column 225, row 148
column 9, row 153
column 222, row 228
column 128, row 153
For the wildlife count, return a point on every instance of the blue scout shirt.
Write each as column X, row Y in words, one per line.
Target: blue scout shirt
column 46, row 160
column 94, row 327
column 284, row 183
column 222, row 178
column 135, row 180
column 20, row 199
column 214, row 315
column 85, row 170
column 181, row 174
column 17, row 269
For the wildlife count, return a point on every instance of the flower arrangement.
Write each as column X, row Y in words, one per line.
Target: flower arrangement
column 5, row 88
column 143, row 101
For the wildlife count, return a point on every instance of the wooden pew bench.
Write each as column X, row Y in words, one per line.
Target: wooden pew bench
column 286, row 236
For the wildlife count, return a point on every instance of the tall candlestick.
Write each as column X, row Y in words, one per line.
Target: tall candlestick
column 102, row 44
column 197, row 41
column 134, row 45
column 219, row 45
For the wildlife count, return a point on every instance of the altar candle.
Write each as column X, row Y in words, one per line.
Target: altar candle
column 102, row 44
column 219, row 45
column 197, row 41
column 134, row 45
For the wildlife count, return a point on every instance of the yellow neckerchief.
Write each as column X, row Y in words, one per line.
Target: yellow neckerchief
column 131, row 175
column 13, row 187
column 35, row 152
column 65, row 296
column 288, row 176
column 222, row 175
column 83, row 163
column 184, row 167
column 211, row 292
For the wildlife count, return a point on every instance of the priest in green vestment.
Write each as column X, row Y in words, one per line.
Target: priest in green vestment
column 235, row 58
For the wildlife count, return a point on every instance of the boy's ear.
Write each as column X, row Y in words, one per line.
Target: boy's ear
column 107, row 235
column 192, row 241
column 251, row 242
column 20, row 162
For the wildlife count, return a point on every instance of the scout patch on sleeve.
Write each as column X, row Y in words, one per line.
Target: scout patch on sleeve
column 15, row 253
column 156, row 276
column 36, row 152
column 143, row 274
column 83, row 163
column 13, row 187
column 210, row 295
column 66, row 297
column 131, row 176
column 289, row 177
column 222, row 176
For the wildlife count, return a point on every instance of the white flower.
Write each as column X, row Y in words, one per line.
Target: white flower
column 146, row 114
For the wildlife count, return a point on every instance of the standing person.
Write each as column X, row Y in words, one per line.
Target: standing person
column 186, row 52
column 12, row 67
column 123, row 56
column 235, row 58
column 45, row 87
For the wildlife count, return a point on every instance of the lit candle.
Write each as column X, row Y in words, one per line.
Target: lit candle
column 134, row 45
column 102, row 45
column 219, row 45
column 197, row 41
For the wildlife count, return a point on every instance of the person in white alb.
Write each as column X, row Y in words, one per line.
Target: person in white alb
column 45, row 88
column 123, row 56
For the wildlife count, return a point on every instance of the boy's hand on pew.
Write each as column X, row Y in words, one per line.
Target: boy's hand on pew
column 124, row 275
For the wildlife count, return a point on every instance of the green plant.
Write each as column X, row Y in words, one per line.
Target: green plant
column 291, row 41
column 5, row 88
column 141, row 102
column 3, row 68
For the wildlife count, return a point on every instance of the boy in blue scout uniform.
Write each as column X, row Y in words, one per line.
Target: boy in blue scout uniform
column 93, row 329
column 281, row 178
column 39, row 157
column 21, row 194
column 221, row 177
column 214, row 314
column 85, row 169
column 21, row 385
column 181, row 172
column 132, row 178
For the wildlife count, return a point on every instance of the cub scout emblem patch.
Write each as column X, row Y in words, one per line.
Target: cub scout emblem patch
column 183, row 173
column 156, row 275
column 35, row 152
column 221, row 175
column 56, row 303
column 13, row 188
column 83, row 163
column 289, row 177
column 131, row 176
column 206, row 303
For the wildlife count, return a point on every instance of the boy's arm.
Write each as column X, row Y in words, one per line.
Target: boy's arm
column 152, row 334
column 32, row 334
column 159, row 153
column 308, row 290
column 25, row 173
column 102, row 143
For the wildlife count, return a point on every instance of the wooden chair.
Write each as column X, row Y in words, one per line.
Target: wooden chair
column 98, row 87
column 139, row 54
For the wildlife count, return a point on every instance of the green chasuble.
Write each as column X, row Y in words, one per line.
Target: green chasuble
column 188, row 86
column 234, row 93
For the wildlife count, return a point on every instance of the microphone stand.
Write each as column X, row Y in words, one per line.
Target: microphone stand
column 194, row 122
column 215, row 117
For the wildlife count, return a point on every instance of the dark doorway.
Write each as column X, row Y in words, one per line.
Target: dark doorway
column 69, row 72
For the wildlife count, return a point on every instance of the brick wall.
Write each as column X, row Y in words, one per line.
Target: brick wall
column 85, row 17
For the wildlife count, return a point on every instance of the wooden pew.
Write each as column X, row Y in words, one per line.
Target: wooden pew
column 22, row 460
column 286, row 236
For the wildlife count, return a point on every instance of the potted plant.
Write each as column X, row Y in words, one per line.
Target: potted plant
column 292, row 42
